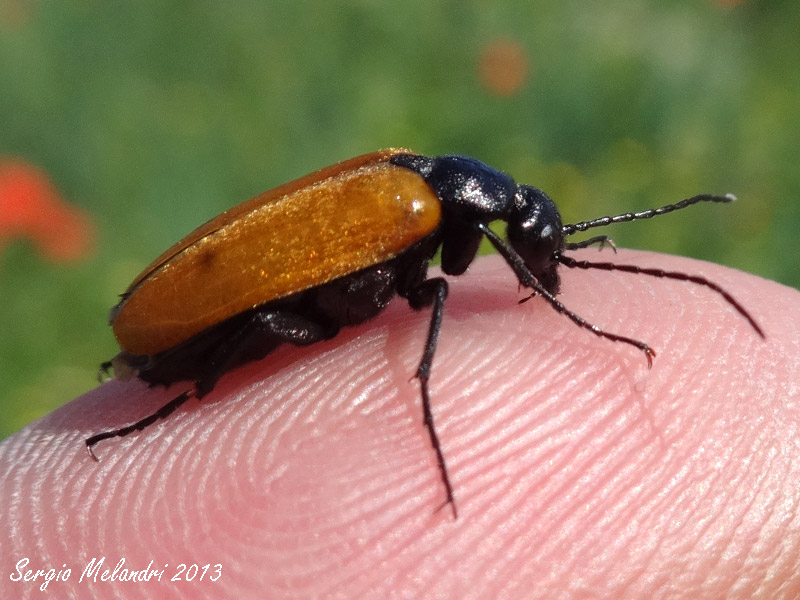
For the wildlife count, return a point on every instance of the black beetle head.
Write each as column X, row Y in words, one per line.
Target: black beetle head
column 534, row 231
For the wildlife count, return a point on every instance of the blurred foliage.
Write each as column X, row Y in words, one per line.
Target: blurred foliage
column 155, row 115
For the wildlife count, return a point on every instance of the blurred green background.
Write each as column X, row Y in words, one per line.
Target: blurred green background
column 152, row 116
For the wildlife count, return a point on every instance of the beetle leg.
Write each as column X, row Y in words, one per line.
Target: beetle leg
column 601, row 240
column 259, row 335
column 263, row 330
column 161, row 413
column 527, row 279
column 432, row 292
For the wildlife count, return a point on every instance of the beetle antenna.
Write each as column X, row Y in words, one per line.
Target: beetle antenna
column 572, row 228
column 607, row 266
column 161, row 413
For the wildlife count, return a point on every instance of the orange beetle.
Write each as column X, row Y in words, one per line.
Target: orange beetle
column 331, row 249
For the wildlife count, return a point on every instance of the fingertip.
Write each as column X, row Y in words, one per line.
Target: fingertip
column 558, row 446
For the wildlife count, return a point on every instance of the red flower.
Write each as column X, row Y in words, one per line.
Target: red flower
column 31, row 208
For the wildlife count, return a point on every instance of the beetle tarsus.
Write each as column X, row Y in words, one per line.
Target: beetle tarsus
column 161, row 413
column 453, row 508
column 89, row 444
column 601, row 241
column 437, row 447
column 650, row 354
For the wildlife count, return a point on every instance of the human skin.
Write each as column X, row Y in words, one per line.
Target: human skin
column 578, row 472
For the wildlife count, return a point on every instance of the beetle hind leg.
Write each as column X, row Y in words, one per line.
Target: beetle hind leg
column 161, row 413
column 257, row 337
column 254, row 338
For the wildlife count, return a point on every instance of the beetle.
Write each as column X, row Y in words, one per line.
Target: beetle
column 331, row 249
